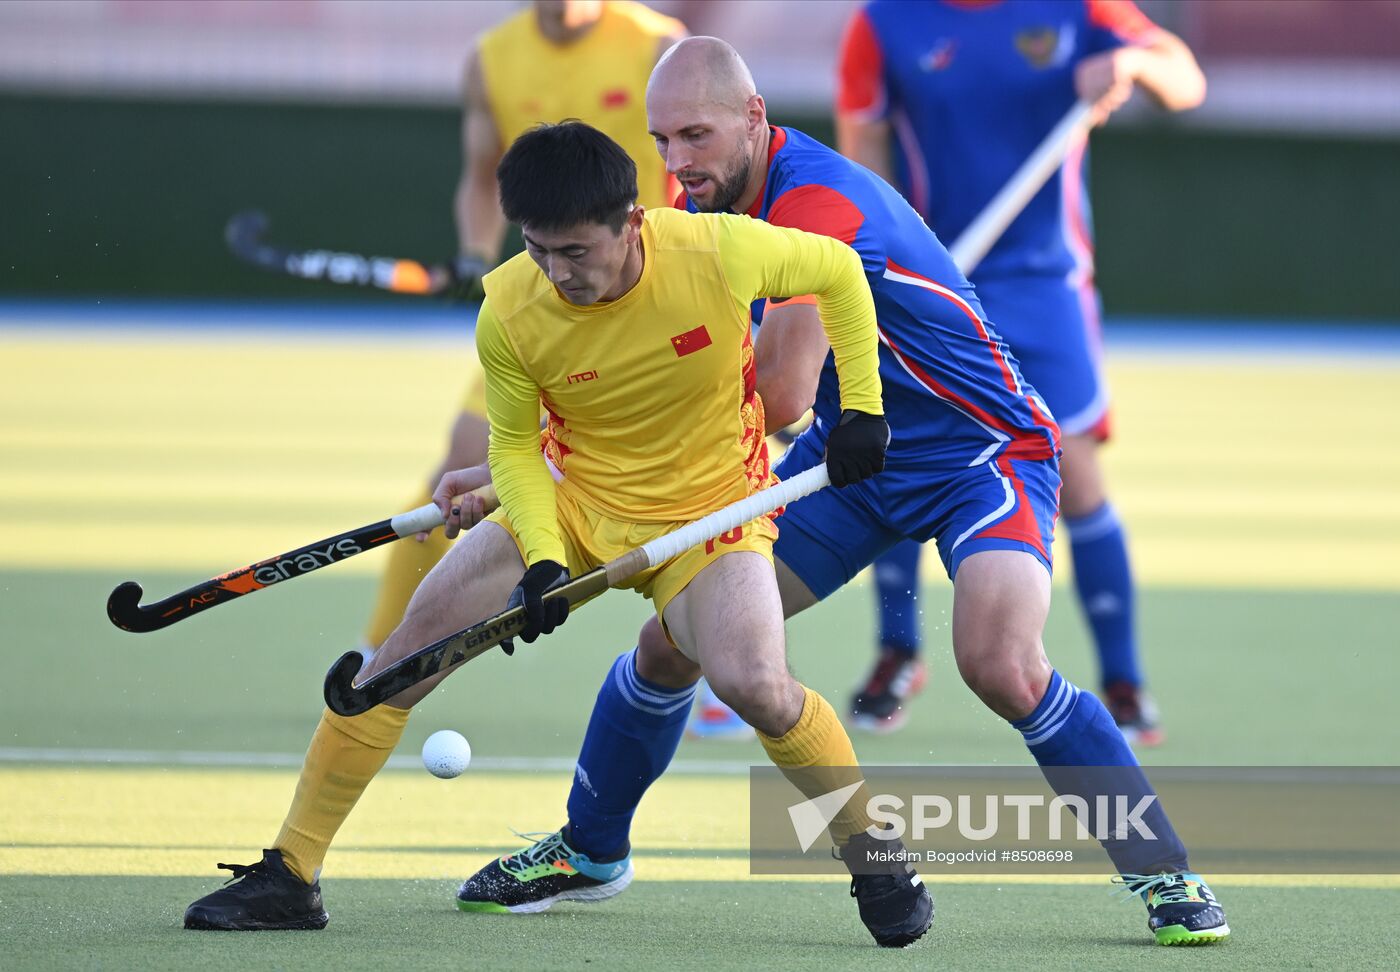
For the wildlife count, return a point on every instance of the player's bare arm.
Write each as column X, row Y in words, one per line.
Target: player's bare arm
column 480, row 225
column 867, row 141
column 788, row 354
column 1164, row 67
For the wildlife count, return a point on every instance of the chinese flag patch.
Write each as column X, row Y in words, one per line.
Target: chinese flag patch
column 691, row 341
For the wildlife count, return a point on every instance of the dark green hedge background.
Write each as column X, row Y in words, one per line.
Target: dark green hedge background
column 123, row 198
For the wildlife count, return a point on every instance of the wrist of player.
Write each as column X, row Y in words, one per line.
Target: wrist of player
column 855, row 448
column 542, row 613
column 467, row 271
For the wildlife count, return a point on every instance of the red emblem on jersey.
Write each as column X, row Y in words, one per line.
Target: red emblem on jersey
column 691, row 341
column 616, row 98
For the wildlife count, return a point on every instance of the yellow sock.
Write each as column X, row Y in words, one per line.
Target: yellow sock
column 344, row 755
column 817, row 756
column 409, row 563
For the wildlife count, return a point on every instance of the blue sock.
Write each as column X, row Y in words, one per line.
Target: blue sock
column 1082, row 753
column 1104, row 580
column 897, row 593
column 633, row 732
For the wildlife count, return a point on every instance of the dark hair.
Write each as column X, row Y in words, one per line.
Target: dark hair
column 556, row 177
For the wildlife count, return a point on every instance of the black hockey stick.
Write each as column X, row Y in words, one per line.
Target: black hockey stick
column 126, row 612
column 244, row 235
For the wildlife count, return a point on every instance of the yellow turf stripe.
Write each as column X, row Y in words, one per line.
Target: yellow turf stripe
column 141, row 821
column 223, row 449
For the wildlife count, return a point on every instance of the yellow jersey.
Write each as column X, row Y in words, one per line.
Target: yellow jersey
column 652, row 410
column 601, row 79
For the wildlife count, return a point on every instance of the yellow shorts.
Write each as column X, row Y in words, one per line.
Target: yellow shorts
column 591, row 539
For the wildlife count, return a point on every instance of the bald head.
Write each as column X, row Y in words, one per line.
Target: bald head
column 702, row 71
column 709, row 124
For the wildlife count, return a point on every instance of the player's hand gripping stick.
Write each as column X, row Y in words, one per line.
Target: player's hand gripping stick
column 855, row 449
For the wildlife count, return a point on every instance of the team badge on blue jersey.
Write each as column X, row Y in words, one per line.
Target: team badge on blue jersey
column 1045, row 47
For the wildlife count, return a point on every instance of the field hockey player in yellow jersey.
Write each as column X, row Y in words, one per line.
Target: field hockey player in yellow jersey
column 556, row 59
column 632, row 328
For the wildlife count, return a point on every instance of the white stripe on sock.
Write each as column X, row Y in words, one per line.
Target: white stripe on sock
column 637, row 697
column 1050, row 709
column 1059, row 723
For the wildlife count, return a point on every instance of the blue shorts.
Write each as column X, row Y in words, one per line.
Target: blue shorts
column 1053, row 330
column 830, row 536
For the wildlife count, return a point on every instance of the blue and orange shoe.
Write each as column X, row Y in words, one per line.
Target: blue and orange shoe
column 712, row 719
column 1181, row 910
column 547, row 871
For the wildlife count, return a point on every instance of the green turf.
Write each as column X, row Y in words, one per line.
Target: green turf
column 104, row 922
column 1243, row 677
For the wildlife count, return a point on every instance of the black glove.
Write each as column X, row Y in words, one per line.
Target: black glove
column 465, row 283
column 855, row 449
column 541, row 615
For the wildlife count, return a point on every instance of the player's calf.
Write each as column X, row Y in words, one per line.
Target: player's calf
column 265, row 896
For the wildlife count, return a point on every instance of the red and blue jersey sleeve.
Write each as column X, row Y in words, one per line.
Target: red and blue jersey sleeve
column 860, row 72
column 817, row 209
column 1116, row 23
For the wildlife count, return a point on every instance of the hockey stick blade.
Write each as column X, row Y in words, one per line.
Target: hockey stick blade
column 344, row 697
column 125, row 610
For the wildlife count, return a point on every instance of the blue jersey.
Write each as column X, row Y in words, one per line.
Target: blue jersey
column 953, row 392
column 969, row 90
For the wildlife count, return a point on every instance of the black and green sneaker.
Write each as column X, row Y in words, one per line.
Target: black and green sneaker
column 265, row 896
column 1181, row 910
column 894, row 904
column 547, row 871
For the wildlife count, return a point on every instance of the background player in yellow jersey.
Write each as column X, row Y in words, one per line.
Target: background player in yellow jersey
column 655, row 307
column 556, row 59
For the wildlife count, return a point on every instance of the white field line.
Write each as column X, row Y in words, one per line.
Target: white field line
column 187, row 757
column 687, row 767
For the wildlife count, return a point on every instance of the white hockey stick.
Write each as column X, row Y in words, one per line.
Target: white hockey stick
column 983, row 232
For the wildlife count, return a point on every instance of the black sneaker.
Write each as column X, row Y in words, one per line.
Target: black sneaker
column 1181, row 910
column 1135, row 714
column 547, row 871
column 894, row 904
column 265, row 896
column 879, row 706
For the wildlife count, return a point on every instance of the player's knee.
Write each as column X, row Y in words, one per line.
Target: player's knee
column 763, row 699
column 1009, row 682
column 658, row 661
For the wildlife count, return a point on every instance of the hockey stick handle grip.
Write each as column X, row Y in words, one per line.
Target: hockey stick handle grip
column 983, row 232
column 735, row 514
column 429, row 517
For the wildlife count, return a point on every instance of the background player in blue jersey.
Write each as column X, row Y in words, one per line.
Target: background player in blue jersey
column 971, row 464
column 945, row 100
